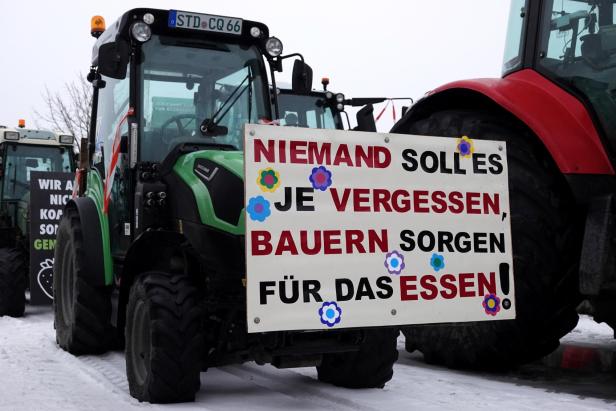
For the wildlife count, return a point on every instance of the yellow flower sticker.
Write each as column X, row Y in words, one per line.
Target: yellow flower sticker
column 465, row 146
column 268, row 180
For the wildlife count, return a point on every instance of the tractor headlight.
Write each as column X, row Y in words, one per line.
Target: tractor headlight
column 339, row 98
column 11, row 135
column 66, row 139
column 273, row 46
column 141, row 31
column 340, row 107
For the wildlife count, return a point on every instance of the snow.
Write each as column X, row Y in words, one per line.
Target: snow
column 36, row 375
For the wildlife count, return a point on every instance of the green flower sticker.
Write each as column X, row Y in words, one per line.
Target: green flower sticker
column 268, row 180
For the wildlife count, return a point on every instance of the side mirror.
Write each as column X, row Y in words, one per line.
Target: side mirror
column 365, row 119
column 113, row 59
column 301, row 79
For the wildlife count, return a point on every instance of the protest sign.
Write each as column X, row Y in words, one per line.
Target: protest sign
column 353, row 229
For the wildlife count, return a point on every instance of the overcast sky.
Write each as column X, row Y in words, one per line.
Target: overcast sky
column 383, row 48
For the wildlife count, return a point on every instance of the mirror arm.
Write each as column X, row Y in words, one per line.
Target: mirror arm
column 274, row 91
column 292, row 55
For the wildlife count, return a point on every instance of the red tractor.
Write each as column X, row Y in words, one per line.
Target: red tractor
column 555, row 106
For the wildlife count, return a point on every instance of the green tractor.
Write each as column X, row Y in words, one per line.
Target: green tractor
column 21, row 152
column 150, row 254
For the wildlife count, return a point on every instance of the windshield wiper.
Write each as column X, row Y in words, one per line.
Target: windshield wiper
column 209, row 126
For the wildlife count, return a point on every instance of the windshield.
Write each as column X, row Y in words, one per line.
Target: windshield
column 306, row 111
column 21, row 160
column 184, row 85
column 579, row 49
column 515, row 30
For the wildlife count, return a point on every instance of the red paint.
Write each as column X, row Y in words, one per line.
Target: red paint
column 408, row 287
column 115, row 155
column 446, row 286
column 312, row 152
column 328, row 242
column 559, row 119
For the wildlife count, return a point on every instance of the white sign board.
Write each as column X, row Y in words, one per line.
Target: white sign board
column 353, row 229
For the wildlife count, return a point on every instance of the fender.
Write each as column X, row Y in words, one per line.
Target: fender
column 92, row 239
column 556, row 117
column 147, row 253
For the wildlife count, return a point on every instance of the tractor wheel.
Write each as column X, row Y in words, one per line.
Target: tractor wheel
column 546, row 246
column 12, row 282
column 82, row 312
column 370, row 367
column 164, row 338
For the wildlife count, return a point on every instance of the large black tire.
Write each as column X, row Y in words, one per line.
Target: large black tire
column 370, row 367
column 82, row 312
column 12, row 282
column 545, row 241
column 164, row 338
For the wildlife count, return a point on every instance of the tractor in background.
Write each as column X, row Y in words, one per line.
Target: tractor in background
column 23, row 151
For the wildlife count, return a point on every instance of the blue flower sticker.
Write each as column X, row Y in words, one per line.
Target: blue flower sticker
column 258, row 208
column 394, row 262
column 437, row 262
column 321, row 178
column 465, row 146
column 330, row 314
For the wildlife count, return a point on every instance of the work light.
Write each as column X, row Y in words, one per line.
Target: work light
column 11, row 135
column 273, row 46
column 66, row 139
column 141, row 31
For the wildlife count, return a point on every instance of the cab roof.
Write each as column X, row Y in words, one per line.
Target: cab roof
column 120, row 29
column 35, row 137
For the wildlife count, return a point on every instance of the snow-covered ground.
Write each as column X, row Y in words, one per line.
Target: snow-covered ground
column 36, row 375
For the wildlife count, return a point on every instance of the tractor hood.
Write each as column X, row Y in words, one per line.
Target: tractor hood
column 211, row 184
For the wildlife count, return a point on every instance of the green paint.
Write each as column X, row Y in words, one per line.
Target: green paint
column 94, row 190
column 232, row 161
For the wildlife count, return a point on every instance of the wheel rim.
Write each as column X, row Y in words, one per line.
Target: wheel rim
column 140, row 341
column 67, row 289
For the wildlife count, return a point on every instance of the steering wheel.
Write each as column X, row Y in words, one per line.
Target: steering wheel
column 177, row 119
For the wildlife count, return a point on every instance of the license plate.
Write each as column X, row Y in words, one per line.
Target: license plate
column 204, row 22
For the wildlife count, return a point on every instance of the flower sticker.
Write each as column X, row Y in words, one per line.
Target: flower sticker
column 258, row 208
column 330, row 314
column 268, row 179
column 465, row 146
column 437, row 262
column 491, row 303
column 321, row 178
column 394, row 262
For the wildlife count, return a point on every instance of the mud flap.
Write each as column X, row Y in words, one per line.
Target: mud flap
column 598, row 259
column 92, row 239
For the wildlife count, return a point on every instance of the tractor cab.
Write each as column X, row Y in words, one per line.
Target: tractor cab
column 315, row 109
column 572, row 43
column 175, row 77
column 23, row 151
